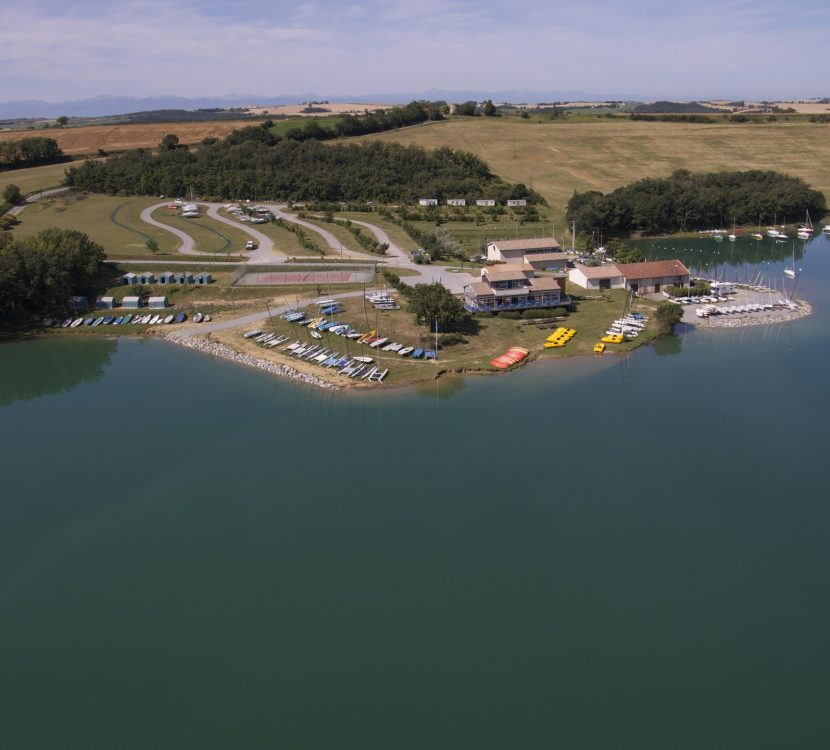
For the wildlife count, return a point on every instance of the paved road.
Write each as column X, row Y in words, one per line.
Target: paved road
column 265, row 253
column 252, row 318
column 188, row 246
column 34, row 198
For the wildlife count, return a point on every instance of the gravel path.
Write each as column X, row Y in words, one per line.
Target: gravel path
column 34, row 198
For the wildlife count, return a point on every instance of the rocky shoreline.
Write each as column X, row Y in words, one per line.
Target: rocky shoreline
column 756, row 319
column 215, row 349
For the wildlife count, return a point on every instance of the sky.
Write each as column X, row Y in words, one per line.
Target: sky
column 57, row 50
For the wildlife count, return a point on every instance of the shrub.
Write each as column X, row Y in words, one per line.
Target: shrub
column 451, row 339
column 510, row 314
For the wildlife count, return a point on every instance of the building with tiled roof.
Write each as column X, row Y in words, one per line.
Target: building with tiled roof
column 514, row 287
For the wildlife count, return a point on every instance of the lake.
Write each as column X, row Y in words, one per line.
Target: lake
column 599, row 553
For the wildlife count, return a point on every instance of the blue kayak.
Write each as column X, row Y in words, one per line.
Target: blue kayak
column 417, row 354
column 180, row 318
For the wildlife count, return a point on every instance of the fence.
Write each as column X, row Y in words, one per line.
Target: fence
column 287, row 274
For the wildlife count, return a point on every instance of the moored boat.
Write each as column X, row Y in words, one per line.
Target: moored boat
column 197, row 318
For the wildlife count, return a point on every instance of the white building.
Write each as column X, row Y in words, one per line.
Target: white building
column 456, row 202
column 521, row 251
column 485, row 202
column 652, row 276
column 428, row 202
column 517, row 202
column 596, row 278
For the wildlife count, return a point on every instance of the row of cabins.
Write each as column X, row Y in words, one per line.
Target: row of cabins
column 131, row 303
column 167, row 277
column 650, row 277
column 481, row 202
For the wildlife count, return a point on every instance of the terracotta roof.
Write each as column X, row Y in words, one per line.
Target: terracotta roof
column 599, row 272
column 653, row 269
column 479, row 289
column 543, row 284
column 550, row 242
column 547, row 256
column 506, row 275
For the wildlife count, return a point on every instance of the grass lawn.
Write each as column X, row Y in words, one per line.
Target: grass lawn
column 396, row 234
column 602, row 154
column 488, row 337
column 34, row 179
column 210, row 236
column 342, row 234
column 111, row 221
column 473, row 237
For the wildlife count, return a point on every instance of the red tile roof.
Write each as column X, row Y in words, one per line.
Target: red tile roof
column 653, row 269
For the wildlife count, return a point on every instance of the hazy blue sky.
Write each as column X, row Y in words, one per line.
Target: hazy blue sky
column 58, row 50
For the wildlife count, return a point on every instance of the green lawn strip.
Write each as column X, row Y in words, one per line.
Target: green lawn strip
column 396, row 234
column 342, row 234
column 92, row 214
column 34, row 179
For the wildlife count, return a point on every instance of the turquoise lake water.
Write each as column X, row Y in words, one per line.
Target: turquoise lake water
column 602, row 553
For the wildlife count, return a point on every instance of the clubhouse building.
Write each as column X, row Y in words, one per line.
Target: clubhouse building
column 514, row 287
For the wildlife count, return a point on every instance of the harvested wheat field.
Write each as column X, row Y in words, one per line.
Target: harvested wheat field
column 87, row 140
column 558, row 158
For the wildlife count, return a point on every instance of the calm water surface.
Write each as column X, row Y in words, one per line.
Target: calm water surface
column 594, row 554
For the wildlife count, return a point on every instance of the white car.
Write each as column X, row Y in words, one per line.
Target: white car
column 250, row 245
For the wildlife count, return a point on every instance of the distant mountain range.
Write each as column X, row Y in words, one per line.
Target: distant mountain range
column 107, row 105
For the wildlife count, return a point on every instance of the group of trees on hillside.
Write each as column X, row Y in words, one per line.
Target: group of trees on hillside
column 242, row 167
column 29, row 152
column 38, row 274
column 687, row 201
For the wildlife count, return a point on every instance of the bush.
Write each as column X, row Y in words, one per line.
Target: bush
column 451, row 339
column 667, row 315
column 510, row 314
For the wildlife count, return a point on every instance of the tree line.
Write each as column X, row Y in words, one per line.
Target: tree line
column 687, row 201
column 38, row 274
column 30, row 152
column 261, row 168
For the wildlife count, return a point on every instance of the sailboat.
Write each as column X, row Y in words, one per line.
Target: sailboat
column 757, row 235
column 790, row 272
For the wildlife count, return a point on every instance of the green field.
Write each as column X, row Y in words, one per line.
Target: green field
column 557, row 158
column 281, row 127
column 34, row 179
column 396, row 234
column 210, row 236
column 113, row 222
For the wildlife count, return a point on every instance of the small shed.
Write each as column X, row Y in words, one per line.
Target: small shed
column 157, row 303
column 148, row 277
column 517, row 202
column 185, row 277
column 129, row 278
column 167, row 277
column 428, row 202
column 456, row 201
column 203, row 277
column 105, row 303
column 131, row 303
column 485, row 202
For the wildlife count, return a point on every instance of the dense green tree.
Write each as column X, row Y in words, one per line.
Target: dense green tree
column 466, row 109
column 667, row 315
column 12, row 194
column 433, row 303
column 687, row 201
column 170, row 142
column 38, row 274
column 488, row 109
column 29, row 152
column 62, row 121
column 244, row 164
